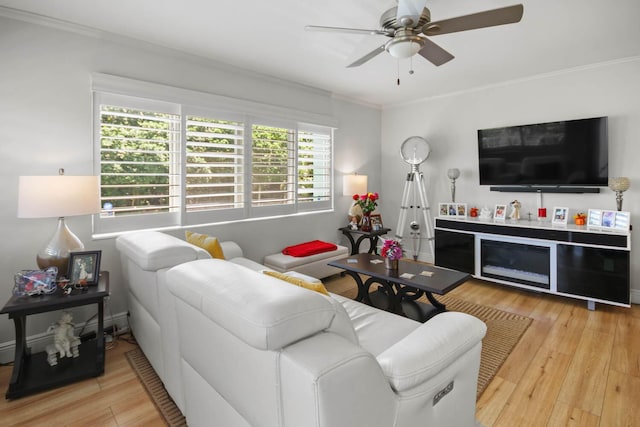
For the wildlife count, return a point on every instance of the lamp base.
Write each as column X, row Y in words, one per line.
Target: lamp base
column 57, row 251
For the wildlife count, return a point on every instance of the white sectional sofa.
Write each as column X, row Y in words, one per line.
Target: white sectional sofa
column 235, row 347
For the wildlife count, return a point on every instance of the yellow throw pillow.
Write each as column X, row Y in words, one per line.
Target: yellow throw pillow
column 318, row 287
column 208, row 243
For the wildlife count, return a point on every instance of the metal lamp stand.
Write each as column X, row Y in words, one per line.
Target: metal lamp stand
column 413, row 184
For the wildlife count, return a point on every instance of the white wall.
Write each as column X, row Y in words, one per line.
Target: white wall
column 45, row 124
column 450, row 123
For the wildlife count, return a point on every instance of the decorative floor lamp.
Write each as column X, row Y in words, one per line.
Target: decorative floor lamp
column 58, row 196
column 619, row 185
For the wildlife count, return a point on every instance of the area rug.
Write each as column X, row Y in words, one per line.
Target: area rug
column 155, row 389
column 504, row 330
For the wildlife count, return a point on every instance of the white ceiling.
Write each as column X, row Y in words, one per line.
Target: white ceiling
column 269, row 37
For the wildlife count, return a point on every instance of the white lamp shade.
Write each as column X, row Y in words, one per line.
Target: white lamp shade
column 57, row 196
column 354, row 184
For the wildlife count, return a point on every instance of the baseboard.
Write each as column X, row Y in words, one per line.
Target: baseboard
column 38, row 342
column 635, row 296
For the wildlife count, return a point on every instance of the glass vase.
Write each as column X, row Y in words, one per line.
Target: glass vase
column 366, row 222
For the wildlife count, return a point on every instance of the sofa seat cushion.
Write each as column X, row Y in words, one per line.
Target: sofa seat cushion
column 377, row 330
column 152, row 251
column 262, row 311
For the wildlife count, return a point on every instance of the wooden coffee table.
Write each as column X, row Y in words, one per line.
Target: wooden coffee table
column 398, row 290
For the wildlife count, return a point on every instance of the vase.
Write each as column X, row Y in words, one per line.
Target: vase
column 391, row 264
column 365, row 225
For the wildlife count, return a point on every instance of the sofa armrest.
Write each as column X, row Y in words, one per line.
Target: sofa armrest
column 231, row 250
column 430, row 349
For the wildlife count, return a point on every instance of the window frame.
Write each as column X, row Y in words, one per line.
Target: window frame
column 127, row 93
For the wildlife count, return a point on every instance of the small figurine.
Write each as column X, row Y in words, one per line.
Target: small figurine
column 515, row 212
column 355, row 215
column 485, row 213
column 65, row 342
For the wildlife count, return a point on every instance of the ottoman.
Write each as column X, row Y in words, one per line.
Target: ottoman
column 313, row 265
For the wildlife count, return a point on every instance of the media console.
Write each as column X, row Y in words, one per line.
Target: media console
column 574, row 261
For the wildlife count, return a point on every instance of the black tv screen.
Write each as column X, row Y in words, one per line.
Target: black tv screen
column 566, row 153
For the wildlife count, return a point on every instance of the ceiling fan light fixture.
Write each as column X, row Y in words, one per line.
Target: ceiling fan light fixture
column 404, row 48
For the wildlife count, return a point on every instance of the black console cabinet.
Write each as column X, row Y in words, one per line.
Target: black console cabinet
column 592, row 265
column 455, row 251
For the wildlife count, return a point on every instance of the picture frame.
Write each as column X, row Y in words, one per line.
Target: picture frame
column 84, row 267
column 376, row 222
column 608, row 219
column 623, row 221
column 461, row 209
column 594, row 218
column 500, row 212
column 452, row 209
column 560, row 215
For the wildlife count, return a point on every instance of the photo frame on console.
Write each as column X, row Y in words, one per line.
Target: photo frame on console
column 622, row 220
column 560, row 216
column 608, row 219
column 594, row 218
column 452, row 209
column 84, row 267
column 500, row 212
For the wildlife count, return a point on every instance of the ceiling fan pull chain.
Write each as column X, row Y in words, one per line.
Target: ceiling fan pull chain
column 398, row 73
column 411, row 65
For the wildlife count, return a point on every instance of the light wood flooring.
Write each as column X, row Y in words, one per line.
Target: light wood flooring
column 573, row 367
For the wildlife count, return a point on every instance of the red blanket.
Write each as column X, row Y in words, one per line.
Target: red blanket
column 309, row 248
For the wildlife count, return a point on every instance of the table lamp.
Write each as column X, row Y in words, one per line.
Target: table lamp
column 619, row 185
column 58, row 196
column 354, row 184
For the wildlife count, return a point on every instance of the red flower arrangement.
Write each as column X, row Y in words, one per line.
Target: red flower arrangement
column 392, row 249
column 367, row 202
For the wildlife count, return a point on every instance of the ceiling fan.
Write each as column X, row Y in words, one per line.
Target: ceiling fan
column 406, row 24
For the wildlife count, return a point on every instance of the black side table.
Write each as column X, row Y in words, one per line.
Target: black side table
column 371, row 235
column 31, row 372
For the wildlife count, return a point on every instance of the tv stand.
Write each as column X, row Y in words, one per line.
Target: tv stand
column 573, row 261
column 544, row 189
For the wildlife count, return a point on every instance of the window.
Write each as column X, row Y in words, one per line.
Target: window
column 170, row 164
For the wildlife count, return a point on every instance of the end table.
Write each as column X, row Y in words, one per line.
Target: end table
column 31, row 372
column 371, row 235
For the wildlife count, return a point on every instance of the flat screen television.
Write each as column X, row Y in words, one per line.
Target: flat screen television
column 568, row 153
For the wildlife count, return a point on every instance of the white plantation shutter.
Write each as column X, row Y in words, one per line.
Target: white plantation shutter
column 215, row 164
column 164, row 164
column 272, row 166
column 314, row 168
column 138, row 171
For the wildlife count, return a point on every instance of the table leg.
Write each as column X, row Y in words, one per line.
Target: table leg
column 100, row 339
column 354, row 249
column 21, row 352
column 385, row 292
column 361, row 290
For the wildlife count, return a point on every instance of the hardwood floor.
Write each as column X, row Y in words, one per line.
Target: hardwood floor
column 573, row 367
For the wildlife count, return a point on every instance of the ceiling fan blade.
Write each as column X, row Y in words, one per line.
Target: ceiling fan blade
column 377, row 51
column 434, row 53
column 347, row 30
column 409, row 12
column 489, row 18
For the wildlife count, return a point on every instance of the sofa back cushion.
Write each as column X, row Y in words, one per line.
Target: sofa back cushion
column 152, row 250
column 262, row 311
